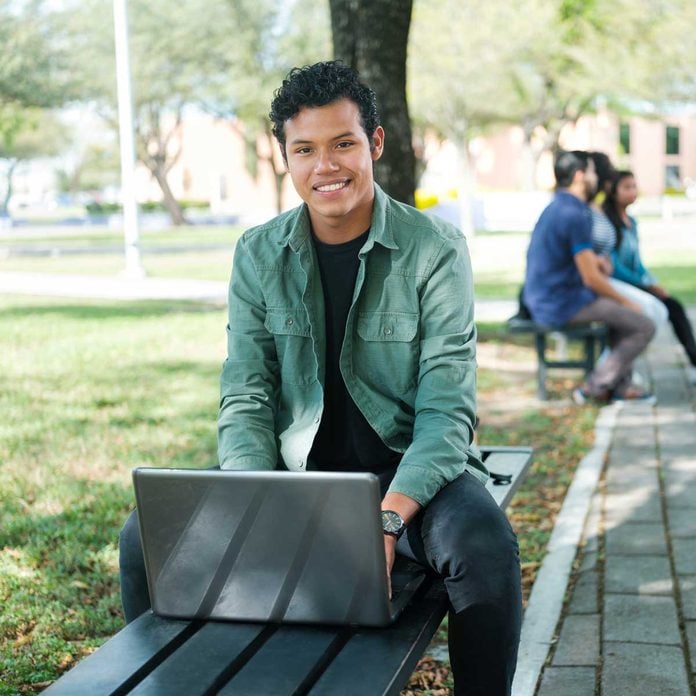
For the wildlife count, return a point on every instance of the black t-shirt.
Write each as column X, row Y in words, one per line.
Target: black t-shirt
column 345, row 440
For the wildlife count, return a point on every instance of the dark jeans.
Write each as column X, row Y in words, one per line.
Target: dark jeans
column 682, row 327
column 464, row 537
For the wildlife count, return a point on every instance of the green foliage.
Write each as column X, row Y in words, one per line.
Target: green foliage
column 224, row 56
column 33, row 133
column 28, row 133
column 97, row 208
column 194, row 205
column 33, row 55
column 97, row 167
column 478, row 65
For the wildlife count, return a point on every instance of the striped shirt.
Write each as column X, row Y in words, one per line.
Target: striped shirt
column 603, row 233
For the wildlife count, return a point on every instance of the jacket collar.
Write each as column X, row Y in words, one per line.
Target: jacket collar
column 381, row 232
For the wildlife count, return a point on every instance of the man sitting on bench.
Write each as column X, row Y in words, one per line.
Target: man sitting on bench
column 564, row 283
column 351, row 347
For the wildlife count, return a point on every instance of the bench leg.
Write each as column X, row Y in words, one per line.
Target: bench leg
column 589, row 354
column 541, row 371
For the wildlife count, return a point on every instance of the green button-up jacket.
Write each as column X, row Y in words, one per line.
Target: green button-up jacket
column 408, row 358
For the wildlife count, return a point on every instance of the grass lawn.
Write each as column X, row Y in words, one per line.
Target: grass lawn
column 679, row 279
column 93, row 389
column 89, row 391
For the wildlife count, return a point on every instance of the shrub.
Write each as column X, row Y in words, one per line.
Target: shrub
column 96, row 208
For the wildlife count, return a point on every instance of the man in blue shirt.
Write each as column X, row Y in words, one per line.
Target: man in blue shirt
column 564, row 282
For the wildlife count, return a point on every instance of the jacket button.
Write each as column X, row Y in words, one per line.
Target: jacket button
column 288, row 322
column 388, row 331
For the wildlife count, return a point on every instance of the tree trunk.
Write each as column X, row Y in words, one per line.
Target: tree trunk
column 153, row 149
column 252, row 157
column 372, row 37
column 279, row 171
column 530, row 158
column 279, row 178
column 9, row 174
column 170, row 202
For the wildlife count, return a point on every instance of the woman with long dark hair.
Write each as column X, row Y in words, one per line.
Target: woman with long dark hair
column 627, row 263
column 604, row 237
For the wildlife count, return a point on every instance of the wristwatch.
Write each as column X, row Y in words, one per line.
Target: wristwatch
column 392, row 523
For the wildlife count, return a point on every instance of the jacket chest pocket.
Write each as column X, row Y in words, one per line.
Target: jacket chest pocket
column 391, row 347
column 293, row 340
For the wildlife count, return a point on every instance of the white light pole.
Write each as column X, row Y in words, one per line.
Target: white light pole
column 134, row 268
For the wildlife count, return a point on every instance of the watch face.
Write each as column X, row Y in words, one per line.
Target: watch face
column 391, row 521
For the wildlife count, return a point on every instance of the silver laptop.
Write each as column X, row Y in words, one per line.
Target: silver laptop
column 266, row 546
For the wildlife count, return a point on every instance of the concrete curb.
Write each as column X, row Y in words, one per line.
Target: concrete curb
column 546, row 599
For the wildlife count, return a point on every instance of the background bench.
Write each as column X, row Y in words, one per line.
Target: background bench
column 591, row 336
column 156, row 656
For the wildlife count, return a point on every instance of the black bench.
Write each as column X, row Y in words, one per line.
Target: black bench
column 160, row 656
column 591, row 336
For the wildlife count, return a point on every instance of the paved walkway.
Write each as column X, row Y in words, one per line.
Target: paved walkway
column 112, row 287
column 629, row 622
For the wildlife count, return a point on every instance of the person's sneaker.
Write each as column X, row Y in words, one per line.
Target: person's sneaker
column 582, row 396
column 636, row 394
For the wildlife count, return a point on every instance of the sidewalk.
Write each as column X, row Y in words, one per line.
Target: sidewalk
column 112, row 287
column 629, row 621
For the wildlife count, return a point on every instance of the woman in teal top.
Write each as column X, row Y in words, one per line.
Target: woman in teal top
column 628, row 266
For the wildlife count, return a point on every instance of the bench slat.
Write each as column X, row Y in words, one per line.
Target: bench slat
column 379, row 661
column 203, row 662
column 285, row 662
column 122, row 661
column 507, row 460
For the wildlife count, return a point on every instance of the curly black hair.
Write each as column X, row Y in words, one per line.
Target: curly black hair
column 318, row 85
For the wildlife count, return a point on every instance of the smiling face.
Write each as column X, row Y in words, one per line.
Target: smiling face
column 329, row 158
